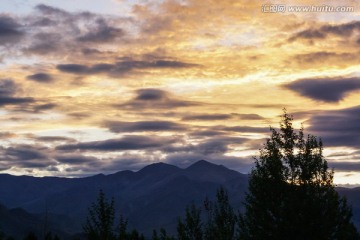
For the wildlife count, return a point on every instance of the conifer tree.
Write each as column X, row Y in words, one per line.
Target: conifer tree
column 291, row 193
column 31, row 236
column 99, row 224
column 221, row 218
column 191, row 227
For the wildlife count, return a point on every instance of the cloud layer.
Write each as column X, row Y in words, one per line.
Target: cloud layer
column 325, row 89
column 83, row 92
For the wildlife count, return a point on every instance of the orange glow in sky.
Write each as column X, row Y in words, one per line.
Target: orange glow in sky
column 119, row 84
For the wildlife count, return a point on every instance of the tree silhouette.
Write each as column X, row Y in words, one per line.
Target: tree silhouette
column 134, row 235
column 191, row 227
column 31, row 236
column 221, row 218
column 291, row 192
column 163, row 235
column 49, row 236
column 100, row 222
column 122, row 228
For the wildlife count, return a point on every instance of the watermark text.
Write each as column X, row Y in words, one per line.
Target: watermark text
column 282, row 8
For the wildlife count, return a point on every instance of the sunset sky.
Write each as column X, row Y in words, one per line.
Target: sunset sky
column 90, row 86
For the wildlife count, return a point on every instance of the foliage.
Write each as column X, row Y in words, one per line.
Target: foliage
column 163, row 235
column 122, row 228
column 134, row 235
column 49, row 236
column 291, row 192
column 222, row 218
column 191, row 227
column 99, row 224
column 31, row 236
column 101, row 221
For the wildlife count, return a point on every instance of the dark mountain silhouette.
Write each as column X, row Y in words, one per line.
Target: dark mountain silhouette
column 17, row 223
column 150, row 198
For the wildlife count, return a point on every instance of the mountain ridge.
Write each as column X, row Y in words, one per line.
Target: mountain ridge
column 152, row 197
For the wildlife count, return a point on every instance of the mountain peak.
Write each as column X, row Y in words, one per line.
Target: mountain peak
column 203, row 164
column 156, row 168
column 209, row 172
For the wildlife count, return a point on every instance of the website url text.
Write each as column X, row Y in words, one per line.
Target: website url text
column 282, row 8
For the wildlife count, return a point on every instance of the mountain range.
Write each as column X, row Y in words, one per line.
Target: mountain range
column 150, row 198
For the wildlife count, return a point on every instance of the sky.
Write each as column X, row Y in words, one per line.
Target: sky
column 90, row 86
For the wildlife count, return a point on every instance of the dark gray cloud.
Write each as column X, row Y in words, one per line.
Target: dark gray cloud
column 90, row 51
column 15, row 101
column 321, row 57
column 52, row 139
column 152, row 98
column 54, row 31
column 130, row 142
column 242, row 129
column 100, row 31
column 308, row 34
column 143, row 126
column 129, row 65
column 150, row 94
column 207, row 133
column 337, row 127
column 342, row 30
column 325, row 89
column 24, row 153
column 207, row 146
column 43, row 22
column 8, row 89
column 248, row 116
column 217, row 145
column 8, row 97
column 212, row 117
column 79, row 115
column 35, row 164
column 73, row 68
column 41, row 77
column 207, row 117
column 38, row 156
column 345, row 165
column 43, row 43
column 44, row 107
column 121, row 68
column 30, row 105
column 10, row 30
column 48, row 10
column 76, row 159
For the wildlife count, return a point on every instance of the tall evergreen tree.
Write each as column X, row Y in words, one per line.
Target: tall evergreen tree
column 221, row 218
column 31, row 236
column 191, row 227
column 134, row 235
column 155, row 235
column 122, row 228
column 291, row 193
column 99, row 224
